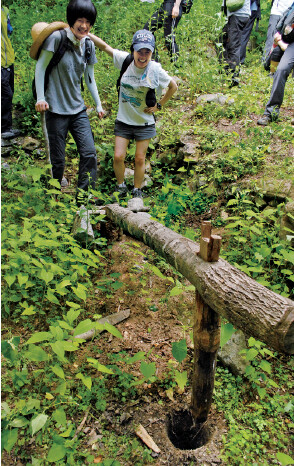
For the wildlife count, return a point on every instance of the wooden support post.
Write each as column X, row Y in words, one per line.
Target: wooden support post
column 206, row 335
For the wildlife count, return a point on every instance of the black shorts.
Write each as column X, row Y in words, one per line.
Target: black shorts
column 139, row 133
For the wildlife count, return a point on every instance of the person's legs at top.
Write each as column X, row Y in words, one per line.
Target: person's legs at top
column 273, row 21
column 246, row 35
column 278, row 88
column 153, row 24
column 6, row 98
column 170, row 25
column 81, row 131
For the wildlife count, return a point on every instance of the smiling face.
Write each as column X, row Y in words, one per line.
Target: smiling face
column 81, row 28
column 142, row 57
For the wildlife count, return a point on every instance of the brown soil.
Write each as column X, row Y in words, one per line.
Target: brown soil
column 153, row 325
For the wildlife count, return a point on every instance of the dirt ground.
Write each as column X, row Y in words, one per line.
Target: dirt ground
column 155, row 321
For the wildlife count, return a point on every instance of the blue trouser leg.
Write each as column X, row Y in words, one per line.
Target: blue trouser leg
column 280, row 77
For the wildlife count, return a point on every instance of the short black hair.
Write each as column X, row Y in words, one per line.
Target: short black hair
column 81, row 9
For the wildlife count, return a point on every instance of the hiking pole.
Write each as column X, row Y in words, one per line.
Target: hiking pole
column 174, row 59
column 47, row 149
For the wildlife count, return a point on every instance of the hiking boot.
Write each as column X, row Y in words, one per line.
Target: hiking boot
column 137, row 192
column 120, row 191
column 10, row 133
column 235, row 82
column 264, row 121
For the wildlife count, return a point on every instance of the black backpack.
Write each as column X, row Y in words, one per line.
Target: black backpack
column 150, row 96
column 63, row 46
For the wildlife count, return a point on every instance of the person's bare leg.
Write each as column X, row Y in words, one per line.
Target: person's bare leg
column 120, row 150
column 141, row 149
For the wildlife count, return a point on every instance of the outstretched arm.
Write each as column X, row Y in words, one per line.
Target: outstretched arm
column 101, row 44
column 42, row 63
column 92, row 86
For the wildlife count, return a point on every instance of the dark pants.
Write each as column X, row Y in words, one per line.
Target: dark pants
column 163, row 18
column 7, row 90
column 246, row 35
column 280, row 77
column 231, row 40
column 58, row 127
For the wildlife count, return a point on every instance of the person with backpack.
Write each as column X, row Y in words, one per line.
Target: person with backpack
column 255, row 16
column 59, row 94
column 7, row 75
column 238, row 13
column 168, row 16
column 283, row 54
column 278, row 9
column 139, row 78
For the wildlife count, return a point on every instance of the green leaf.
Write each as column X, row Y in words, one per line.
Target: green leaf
column 38, row 422
column 37, row 354
column 38, row 337
column 58, row 371
column 147, row 369
column 265, row 366
column 58, row 349
column 56, row 453
column 179, row 350
column 137, row 357
column 113, row 330
column 251, row 354
column 80, row 291
column 284, row 459
column 9, row 439
column 98, row 366
column 83, row 327
column 227, row 330
column 176, row 291
column 181, row 378
column 46, row 276
column 59, row 416
column 87, row 381
column 68, row 346
column 19, row 422
column 10, row 279
column 22, row 278
column 51, row 297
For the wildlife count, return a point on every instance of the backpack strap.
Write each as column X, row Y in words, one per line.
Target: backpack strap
column 127, row 61
column 62, row 47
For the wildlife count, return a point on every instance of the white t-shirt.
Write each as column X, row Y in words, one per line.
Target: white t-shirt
column 134, row 86
column 280, row 6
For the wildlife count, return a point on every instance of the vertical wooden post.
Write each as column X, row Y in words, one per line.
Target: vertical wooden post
column 206, row 335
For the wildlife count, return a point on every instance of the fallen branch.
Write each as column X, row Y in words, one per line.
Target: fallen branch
column 145, row 437
column 81, row 424
column 112, row 319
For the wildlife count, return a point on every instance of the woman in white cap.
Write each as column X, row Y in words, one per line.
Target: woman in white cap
column 135, row 118
column 62, row 100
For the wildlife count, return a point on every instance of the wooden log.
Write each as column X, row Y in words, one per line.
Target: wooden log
column 248, row 305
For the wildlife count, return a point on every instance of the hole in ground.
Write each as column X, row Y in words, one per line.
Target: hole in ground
column 185, row 433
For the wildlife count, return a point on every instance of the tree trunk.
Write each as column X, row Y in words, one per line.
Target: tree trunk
column 248, row 305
